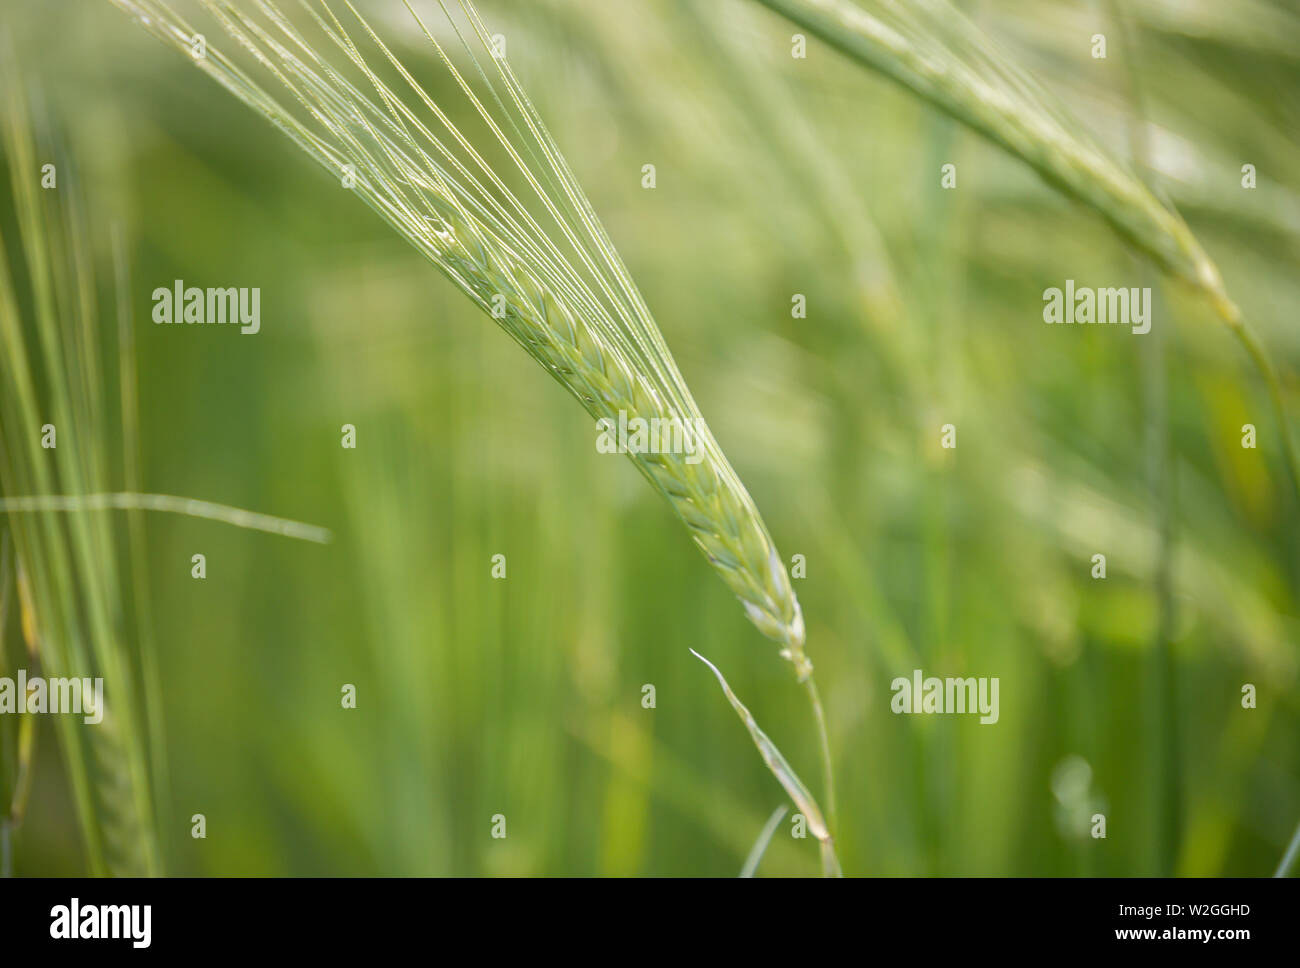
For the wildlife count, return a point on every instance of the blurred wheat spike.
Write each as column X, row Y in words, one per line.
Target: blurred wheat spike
column 543, row 260
column 933, row 50
column 69, row 590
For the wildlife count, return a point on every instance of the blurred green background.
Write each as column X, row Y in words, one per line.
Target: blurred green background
column 776, row 176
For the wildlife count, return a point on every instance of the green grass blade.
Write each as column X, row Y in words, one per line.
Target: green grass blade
column 764, row 838
column 776, row 762
column 1289, row 858
column 48, row 573
column 192, row 507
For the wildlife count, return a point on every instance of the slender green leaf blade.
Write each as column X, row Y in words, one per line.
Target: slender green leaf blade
column 764, row 838
column 784, row 773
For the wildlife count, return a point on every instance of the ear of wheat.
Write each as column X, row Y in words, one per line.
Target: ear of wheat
column 933, row 50
column 537, row 260
column 539, row 257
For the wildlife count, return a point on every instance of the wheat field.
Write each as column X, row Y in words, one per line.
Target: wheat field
column 821, row 231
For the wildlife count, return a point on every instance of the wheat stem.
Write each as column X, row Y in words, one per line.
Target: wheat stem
column 1259, row 356
column 823, row 737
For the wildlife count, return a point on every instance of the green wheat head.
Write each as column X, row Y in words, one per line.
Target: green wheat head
column 540, row 258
